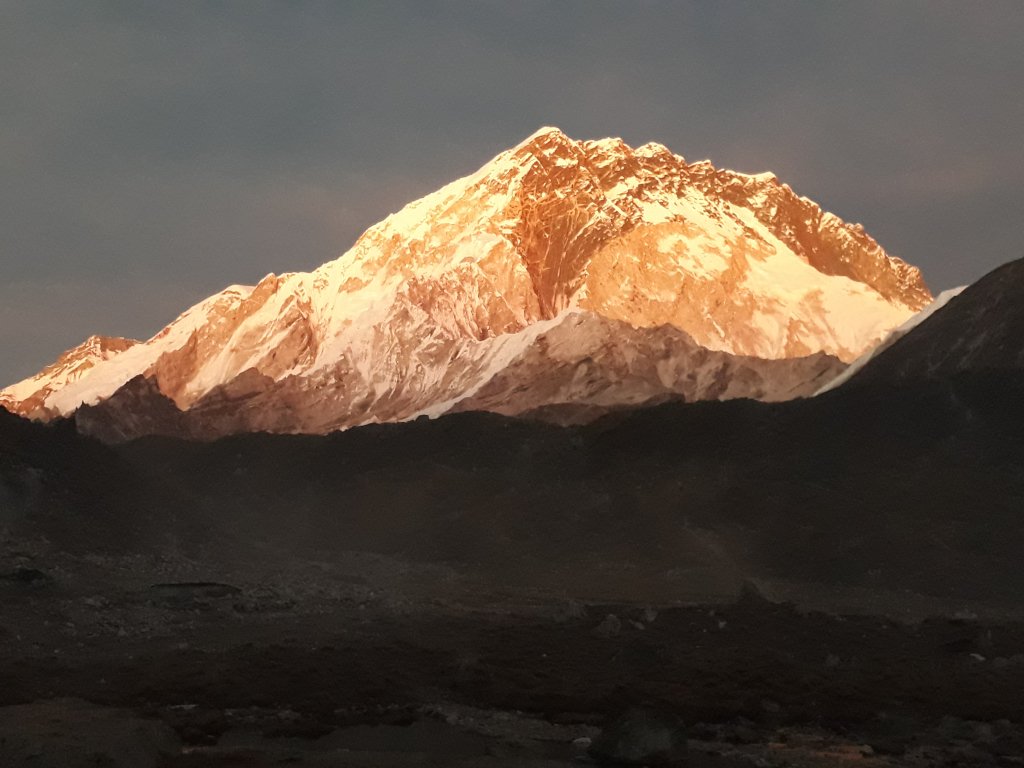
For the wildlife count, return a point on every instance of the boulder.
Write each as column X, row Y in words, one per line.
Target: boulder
column 610, row 626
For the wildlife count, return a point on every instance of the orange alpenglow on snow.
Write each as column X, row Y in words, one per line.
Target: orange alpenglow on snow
column 672, row 276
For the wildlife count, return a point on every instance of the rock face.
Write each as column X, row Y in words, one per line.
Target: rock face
column 602, row 363
column 571, row 371
column 430, row 307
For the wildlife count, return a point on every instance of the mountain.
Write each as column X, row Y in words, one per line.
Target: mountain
column 455, row 299
column 978, row 329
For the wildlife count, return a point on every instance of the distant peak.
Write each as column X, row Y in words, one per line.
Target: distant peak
column 609, row 143
column 653, row 149
column 97, row 341
column 547, row 131
column 765, row 177
column 548, row 139
column 545, row 142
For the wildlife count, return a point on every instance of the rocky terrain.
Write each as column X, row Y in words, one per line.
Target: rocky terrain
column 329, row 665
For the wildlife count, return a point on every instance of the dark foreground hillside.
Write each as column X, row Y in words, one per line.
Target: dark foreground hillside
column 912, row 488
column 490, row 591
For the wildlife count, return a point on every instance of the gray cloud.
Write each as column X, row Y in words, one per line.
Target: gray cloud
column 151, row 153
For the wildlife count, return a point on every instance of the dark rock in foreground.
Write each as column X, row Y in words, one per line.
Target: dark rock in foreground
column 641, row 737
column 70, row 733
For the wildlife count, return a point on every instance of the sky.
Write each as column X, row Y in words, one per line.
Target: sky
column 152, row 153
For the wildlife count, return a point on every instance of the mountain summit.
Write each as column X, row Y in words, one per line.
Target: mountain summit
column 629, row 272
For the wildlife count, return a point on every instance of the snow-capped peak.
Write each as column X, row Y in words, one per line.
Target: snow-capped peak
column 545, row 131
column 403, row 320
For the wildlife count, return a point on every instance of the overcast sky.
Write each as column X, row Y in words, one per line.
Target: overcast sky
column 152, row 153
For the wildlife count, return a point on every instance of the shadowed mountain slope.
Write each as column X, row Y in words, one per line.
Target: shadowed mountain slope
column 981, row 329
